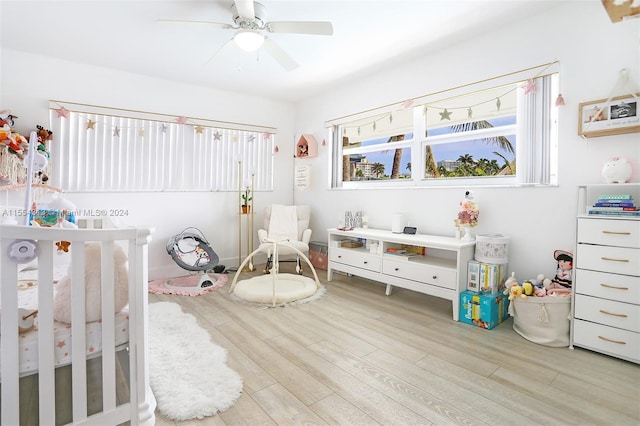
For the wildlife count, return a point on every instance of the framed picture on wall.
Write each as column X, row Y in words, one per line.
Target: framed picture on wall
column 606, row 117
column 619, row 10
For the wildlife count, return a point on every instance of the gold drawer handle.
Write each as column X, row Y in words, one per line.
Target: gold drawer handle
column 616, row 233
column 602, row 311
column 614, row 287
column 615, row 260
column 611, row 340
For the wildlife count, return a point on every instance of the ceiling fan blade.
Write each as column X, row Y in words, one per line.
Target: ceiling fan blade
column 279, row 55
column 245, row 9
column 301, row 27
column 210, row 24
column 217, row 52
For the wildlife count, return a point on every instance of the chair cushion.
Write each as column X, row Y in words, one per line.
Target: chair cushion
column 283, row 224
column 284, row 247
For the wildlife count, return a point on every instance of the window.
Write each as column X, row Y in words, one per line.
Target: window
column 492, row 133
column 100, row 149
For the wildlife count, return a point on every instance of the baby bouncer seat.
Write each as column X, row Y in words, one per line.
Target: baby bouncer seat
column 192, row 252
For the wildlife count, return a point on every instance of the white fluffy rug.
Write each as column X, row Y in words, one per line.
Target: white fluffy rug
column 188, row 373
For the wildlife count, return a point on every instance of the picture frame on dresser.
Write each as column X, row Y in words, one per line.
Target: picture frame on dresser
column 606, row 282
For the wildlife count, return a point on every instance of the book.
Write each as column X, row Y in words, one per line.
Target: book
column 615, row 213
column 615, row 209
column 618, row 203
column 392, row 250
column 403, row 256
column 615, row 197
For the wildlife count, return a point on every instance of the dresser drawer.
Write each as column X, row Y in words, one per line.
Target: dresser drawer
column 416, row 271
column 618, row 260
column 354, row 257
column 621, row 233
column 616, row 342
column 623, row 288
column 607, row 312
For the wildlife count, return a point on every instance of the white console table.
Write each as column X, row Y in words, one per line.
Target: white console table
column 441, row 271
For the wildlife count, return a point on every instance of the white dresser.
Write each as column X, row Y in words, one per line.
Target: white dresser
column 606, row 281
column 440, row 271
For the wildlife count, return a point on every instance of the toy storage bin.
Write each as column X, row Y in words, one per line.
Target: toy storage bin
column 542, row 320
column 318, row 255
column 492, row 248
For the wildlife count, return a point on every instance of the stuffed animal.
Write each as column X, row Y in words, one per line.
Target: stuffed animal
column 13, row 140
column 543, row 281
column 527, row 289
column 44, row 135
column 540, row 285
column 512, row 279
column 616, row 170
column 93, row 294
column 514, row 290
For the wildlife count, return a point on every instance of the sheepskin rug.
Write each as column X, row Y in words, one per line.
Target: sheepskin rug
column 187, row 371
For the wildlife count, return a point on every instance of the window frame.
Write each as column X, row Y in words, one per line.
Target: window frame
column 537, row 168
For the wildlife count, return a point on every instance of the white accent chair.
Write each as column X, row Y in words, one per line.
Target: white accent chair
column 289, row 226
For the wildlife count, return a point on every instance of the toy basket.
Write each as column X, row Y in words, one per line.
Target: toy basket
column 319, row 255
column 542, row 320
column 492, row 248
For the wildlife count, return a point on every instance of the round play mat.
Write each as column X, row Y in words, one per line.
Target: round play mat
column 283, row 289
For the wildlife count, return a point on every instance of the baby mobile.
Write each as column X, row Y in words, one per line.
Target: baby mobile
column 14, row 148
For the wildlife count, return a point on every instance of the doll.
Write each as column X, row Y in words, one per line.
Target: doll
column 564, row 269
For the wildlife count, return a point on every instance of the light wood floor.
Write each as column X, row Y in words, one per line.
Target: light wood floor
column 358, row 357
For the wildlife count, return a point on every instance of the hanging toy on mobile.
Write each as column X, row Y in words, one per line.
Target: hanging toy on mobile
column 34, row 162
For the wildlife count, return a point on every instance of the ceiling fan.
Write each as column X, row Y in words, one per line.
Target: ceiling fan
column 251, row 25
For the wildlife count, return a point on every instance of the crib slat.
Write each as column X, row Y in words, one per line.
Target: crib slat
column 46, row 339
column 139, row 331
column 9, row 355
column 78, row 331
column 108, row 328
column 134, row 329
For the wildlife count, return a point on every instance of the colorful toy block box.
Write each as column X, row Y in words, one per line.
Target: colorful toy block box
column 483, row 309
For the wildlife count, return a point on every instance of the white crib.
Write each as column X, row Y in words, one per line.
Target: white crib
column 120, row 364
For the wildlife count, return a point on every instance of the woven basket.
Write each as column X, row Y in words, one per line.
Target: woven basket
column 542, row 320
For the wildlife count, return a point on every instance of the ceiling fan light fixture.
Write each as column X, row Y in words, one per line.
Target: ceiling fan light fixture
column 248, row 40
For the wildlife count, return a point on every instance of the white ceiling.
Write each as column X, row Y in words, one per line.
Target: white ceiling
column 368, row 35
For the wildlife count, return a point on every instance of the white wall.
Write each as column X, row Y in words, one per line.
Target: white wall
column 29, row 82
column 591, row 51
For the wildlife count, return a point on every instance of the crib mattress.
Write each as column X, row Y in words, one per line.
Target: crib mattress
column 28, row 341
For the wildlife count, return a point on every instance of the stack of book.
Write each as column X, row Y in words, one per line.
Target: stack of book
column 615, row 205
column 400, row 253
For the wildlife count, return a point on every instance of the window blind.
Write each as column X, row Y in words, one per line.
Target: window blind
column 102, row 149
